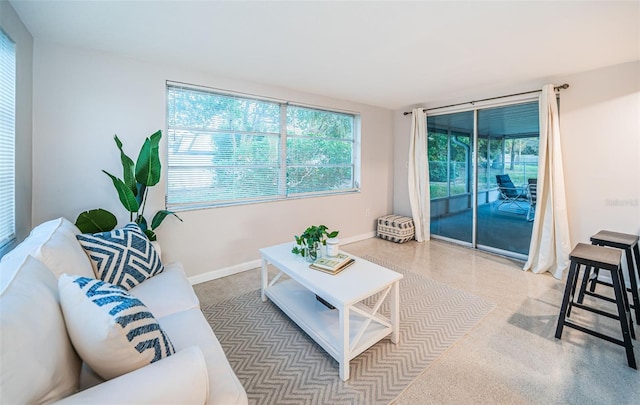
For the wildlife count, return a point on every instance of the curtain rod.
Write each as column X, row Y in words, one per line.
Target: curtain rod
column 231, row 93
column 561, row 87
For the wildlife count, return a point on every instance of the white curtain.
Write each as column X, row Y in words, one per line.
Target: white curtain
column 550, row 244
column 419, row 195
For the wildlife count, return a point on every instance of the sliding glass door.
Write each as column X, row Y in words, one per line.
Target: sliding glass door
column 507, row 149
column 450, row 140
column 468, row 205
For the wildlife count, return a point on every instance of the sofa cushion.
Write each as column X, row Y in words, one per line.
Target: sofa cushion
column 113, row 332
column 188, row 328
column 164, row 294
column 38, row 363
column 36, row 237
column 62, row 253
column 124, row 257
column 180, row 379
column 167, row 292
column 54, row 244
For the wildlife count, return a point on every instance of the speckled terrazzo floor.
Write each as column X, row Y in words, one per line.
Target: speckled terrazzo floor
column 511, row 356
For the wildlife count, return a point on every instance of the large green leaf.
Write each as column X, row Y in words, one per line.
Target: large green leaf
column 148, row 164
column 141, row 192
column 97, row 220
column 127, row 198
column 160, row 216
column 128, row 168
column 142, row 222
column 150, row 235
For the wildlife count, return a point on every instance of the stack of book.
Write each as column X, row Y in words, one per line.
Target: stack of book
column 332, row 265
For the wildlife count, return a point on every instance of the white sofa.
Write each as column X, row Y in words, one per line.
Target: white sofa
column 38, row 363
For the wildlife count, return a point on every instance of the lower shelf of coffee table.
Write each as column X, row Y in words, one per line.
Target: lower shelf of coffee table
column 323, row 324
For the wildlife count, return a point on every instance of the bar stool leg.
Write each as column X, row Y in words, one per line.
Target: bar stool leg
column 636, row 252
column 625, row 301
column 571, row 279
column 594, row 280
column 625, row 317
column 574, row 285
column 633, row 280
column 583, row 287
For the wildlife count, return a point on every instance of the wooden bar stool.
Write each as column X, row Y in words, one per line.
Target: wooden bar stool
column 585, row 257
column 628, row 243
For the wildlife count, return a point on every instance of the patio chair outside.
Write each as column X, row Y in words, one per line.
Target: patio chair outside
column 513, row 198
column 532, row 194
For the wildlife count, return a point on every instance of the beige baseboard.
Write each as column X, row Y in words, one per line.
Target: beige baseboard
column 253, row 264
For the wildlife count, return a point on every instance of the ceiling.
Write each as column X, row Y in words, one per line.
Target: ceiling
column 390, row 54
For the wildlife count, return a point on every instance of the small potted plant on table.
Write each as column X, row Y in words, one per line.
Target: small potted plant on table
column 308, row 244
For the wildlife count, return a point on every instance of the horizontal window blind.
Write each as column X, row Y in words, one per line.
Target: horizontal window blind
column 221, row 148
column 320, row 148
column 7, row 139
column 227, row 149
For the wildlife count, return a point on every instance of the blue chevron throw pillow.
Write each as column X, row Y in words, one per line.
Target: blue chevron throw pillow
column 112, row 331
column 123, row 257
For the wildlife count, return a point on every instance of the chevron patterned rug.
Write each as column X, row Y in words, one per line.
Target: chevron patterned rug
column 277, row 363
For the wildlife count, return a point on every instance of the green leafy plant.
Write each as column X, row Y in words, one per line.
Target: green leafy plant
column 132, row 191
column 311, row 239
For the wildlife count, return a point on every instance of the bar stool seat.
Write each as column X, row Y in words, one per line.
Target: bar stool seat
column 585, row 256
column 629, row 244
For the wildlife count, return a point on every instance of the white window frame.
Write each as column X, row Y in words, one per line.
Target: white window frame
column 283, row 192
column 7, row 142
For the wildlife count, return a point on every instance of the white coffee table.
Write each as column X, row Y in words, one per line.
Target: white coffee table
column 352, row 327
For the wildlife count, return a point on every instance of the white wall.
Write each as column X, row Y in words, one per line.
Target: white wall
column 600, row 129
column 402, row 134
column 82, row 98
column 13, row 27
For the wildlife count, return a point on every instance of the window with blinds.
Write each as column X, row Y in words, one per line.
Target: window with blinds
column 226, row 149
column 7, row 140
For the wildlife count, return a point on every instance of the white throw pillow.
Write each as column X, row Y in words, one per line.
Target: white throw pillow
column 54, row 244
column 37, row 361
column 124, row 257
column 62, row 253
column 113, row 332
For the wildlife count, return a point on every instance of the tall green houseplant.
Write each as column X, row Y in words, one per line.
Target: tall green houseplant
column 132, row 190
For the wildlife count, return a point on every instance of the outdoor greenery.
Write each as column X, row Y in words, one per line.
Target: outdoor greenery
column 440, row 147
column 520, row 156
column 226, row 149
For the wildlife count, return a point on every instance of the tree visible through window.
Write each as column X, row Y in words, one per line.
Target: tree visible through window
column 319, row 150
column 226, row 149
